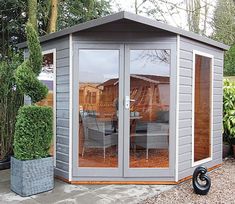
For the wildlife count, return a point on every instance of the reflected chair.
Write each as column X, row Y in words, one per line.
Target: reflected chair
column 152, row 136
column 97, row 134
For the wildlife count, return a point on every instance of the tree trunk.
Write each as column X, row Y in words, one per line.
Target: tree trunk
column 53, row 16
column 32, row 8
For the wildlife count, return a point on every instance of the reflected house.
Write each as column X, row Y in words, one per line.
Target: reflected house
column 89, row 96
column 48, row 101
column 46, row 77
column 150, row 92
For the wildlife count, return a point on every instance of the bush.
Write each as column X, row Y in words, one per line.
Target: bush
column 229, row 110
column 33, row 133
column 29, row 84
column 10, row 101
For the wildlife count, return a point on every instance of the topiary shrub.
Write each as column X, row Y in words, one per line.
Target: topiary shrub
column 33, row 132
column 29, row 84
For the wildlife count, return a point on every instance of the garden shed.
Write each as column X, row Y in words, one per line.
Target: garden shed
column 135, row 100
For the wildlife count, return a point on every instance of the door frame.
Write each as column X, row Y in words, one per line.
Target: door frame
column 96, row 171
column 123, row 171
column 151, row 172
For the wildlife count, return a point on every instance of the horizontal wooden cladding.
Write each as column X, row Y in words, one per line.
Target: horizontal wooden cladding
column 61, row 71
column 190, row 177
column 185, row 148
column 185, row 81
column 60, row 174
column 183, row 98
column 185, row 43
column 217, row 126
column 185, row 131
column 62, row 96
column 218, row 69
column 62, row 62
column 59, row 43
column 183, row 173
column 62, row 148
column 185, row 140
column 185, row 115
column 62, row 105
column 185, row 106
column 184, row 89
column 185, row 157
column 218, row 76
column 64, row 88
column 62, row 113
column 62, row 157
column 186, row 54
column 61, row 122
column 62, row 53
column 62, row 131
column 185, row 72
column 186, row 64
column 62, row 79
column 63, row 140
column 217, row 140
column 185, row 123
column 62, row 165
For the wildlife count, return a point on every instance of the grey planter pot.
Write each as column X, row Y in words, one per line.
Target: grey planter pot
column 32, row 176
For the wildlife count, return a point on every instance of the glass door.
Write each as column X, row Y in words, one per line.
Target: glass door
column 147, row 111
column 99, row 144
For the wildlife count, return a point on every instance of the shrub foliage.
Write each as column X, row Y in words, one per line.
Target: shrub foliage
column 229, row 110
column 29, row 84
column 33, row 132
column 10, row 101
column 27, row 72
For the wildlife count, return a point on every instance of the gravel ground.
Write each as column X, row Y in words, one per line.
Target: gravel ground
column 222, row 189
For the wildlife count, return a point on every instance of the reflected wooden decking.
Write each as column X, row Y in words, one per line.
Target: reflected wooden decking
column 94, row 158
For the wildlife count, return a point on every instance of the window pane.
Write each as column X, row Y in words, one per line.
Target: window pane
column 149, row 109
column 98, row 108
column 202, row 109
column 46, row 77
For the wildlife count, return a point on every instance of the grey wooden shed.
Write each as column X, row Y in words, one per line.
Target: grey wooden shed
column 135, row 100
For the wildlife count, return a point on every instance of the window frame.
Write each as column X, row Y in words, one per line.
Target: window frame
column 203, row 54
column 44, row 52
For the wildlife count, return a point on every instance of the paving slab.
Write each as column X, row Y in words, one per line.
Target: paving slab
column 64, row 193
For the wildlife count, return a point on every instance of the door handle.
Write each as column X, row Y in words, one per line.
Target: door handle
column 127, row 102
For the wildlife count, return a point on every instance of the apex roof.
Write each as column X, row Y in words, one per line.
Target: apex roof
column 132, row 17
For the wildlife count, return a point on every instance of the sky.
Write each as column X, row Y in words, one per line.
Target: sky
column 105, row 64
column 178, row 19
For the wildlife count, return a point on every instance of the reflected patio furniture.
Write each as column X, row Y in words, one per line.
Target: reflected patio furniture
column 151, row 136
column 98, row 134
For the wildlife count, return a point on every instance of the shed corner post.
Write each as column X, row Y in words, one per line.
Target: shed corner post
column 177, row 109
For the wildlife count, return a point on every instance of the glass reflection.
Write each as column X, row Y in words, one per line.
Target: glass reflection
column 149, row 110
column 47, row 77
column 98, row 108
column 202, row 110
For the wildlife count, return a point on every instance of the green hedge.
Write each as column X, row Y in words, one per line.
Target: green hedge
column 33, row 133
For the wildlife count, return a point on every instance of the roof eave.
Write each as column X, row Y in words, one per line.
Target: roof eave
column 132, row 17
